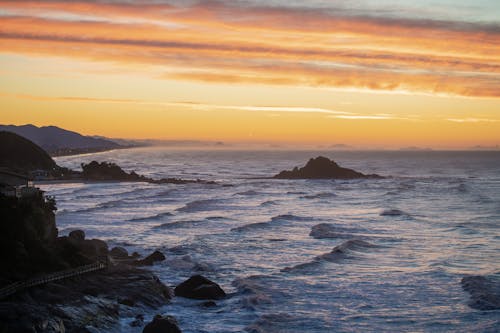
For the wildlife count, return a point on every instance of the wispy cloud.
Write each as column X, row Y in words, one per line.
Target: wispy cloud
column 473, row 120
column 249, row 42
column 183, row 104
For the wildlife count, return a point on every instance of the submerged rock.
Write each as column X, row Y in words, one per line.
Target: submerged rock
column 162, row 324
column 199, row 287
column 484, row 292
column 322, row 168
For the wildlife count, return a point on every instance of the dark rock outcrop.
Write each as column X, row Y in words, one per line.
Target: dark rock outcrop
column 28, row 235
column 106, row 171
column 199, row 287
column 154, row 257
column 162, row 324
column 322, row 168
column 77, row 235
column 90, row 301
column 484, row 291
column 118, row 252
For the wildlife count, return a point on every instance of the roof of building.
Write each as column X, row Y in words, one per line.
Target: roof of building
column 14, row 174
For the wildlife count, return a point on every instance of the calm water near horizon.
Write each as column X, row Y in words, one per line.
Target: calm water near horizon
column 407, row 240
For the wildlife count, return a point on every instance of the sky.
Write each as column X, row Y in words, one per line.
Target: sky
column 363, row 73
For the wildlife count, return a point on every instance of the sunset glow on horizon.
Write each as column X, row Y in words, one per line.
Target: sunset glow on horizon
column 386, row 75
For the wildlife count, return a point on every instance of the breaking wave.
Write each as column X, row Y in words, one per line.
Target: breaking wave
column 337, row 254
column 321, row 195
column 151, row 217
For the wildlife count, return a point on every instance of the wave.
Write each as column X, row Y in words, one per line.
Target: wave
column 282, row 322
column 337, row 254
column 216, row 218
column 394, row 212
column 290, row 217
column 178, row 224
column 151, row 217
column 274, row 220
column 268, row 203
column 102, row 205
column 199, row 205
column 251, row 226
column 253, row 291
column 295, row 192
column 101, row 195
column 248, row 193
column 186, row 262
column 321, row 195
column 327, row 230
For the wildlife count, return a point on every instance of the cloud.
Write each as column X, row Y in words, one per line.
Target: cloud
column 473, row 120
column 235, row 42
column 183, row 104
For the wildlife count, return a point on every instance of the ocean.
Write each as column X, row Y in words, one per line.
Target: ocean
column 371, row 255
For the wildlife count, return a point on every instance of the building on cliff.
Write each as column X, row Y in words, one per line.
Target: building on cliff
column 15, row 184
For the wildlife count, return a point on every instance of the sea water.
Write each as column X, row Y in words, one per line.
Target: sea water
column 304, row 255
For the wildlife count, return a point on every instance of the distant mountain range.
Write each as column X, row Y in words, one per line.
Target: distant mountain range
column 57, row 141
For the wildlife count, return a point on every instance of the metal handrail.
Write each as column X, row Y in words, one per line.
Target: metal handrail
column 21, row 285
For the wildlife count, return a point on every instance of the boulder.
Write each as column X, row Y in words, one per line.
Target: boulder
column 118, row 252
column 151, row 259
column 93, row 248
column 322, row 168
column 77, row 235
column 199, row 287
column 162, row 324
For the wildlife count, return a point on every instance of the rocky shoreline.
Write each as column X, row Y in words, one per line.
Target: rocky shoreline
column 95, row 302
column 87, row 303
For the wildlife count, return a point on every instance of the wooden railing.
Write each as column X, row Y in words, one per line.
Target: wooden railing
column 21, row 285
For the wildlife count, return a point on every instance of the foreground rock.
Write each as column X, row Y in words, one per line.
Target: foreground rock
column 80, row 304
column 162, row 324
column 484, row 292
column 322, row 168
column 199, row 287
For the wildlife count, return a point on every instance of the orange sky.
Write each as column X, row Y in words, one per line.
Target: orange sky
column 245, row 71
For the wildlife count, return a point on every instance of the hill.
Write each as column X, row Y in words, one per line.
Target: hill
column 20, row 154
column 58, row 141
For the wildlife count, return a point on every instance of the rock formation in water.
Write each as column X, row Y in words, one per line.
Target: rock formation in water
column 322, row 168
column 106, row 171
column 199, row 287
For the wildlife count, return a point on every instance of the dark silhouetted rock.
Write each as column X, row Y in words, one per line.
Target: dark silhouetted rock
column 118, row 252
column 199, row 287
column 77, row 235
column 20, row 154
column 322, row 168
column 484, row 292
column 162, row 324
column 151, row 259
